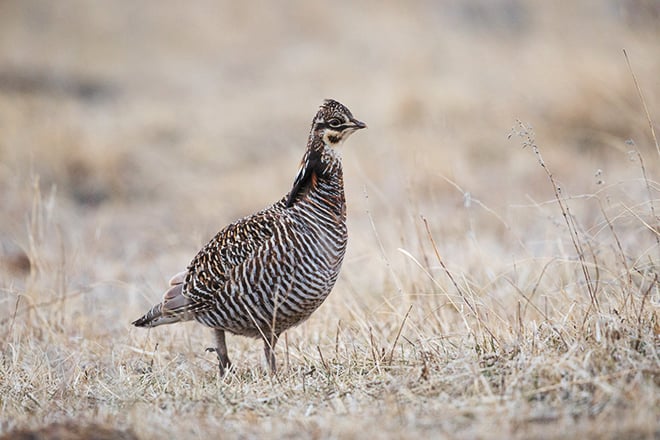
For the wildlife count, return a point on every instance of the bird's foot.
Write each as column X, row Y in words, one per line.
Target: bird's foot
column 223, row 360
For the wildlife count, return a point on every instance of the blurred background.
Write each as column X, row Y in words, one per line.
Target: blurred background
column 131, row 132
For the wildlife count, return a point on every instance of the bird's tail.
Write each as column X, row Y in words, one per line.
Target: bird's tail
column 174, row 308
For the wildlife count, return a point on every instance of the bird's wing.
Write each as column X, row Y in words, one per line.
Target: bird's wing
column 209, row 270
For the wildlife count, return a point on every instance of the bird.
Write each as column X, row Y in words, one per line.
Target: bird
column 269, row 271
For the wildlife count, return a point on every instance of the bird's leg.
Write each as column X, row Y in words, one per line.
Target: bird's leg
column 221, row 350
column 269, row 351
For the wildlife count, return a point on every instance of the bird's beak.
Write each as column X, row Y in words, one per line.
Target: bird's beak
column 358, row 124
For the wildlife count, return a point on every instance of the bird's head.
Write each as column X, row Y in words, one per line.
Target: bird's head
column 334, row 123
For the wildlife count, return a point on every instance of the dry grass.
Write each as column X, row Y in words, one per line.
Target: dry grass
column 490, row 291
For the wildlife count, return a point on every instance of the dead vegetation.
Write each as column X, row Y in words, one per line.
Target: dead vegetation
column 495, row 286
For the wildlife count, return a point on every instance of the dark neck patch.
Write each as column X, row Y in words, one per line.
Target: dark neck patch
column 306, row 179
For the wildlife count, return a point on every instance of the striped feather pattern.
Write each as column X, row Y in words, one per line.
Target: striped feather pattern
column 270, row 271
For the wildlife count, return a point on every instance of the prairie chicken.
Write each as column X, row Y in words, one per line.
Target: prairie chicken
column 271, row 270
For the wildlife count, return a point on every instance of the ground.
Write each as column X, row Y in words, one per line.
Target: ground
column 501, row 279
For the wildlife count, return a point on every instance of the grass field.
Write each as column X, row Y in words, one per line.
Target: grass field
column 502, row 274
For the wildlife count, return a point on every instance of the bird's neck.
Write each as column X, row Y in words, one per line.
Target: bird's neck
column 320, row 174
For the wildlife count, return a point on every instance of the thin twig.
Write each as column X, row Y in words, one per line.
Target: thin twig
column 528, row 141
column 450, row 276
column 13, row 318
column 641, row 98
column 620, row 248
column 381, row 248
column 398, row 334
column 648, row 189
column 325, row 365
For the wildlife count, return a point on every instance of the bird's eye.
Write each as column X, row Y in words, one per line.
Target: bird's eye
column 334, row 122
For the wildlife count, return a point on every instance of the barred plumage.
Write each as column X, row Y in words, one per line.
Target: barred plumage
column 270, row 271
